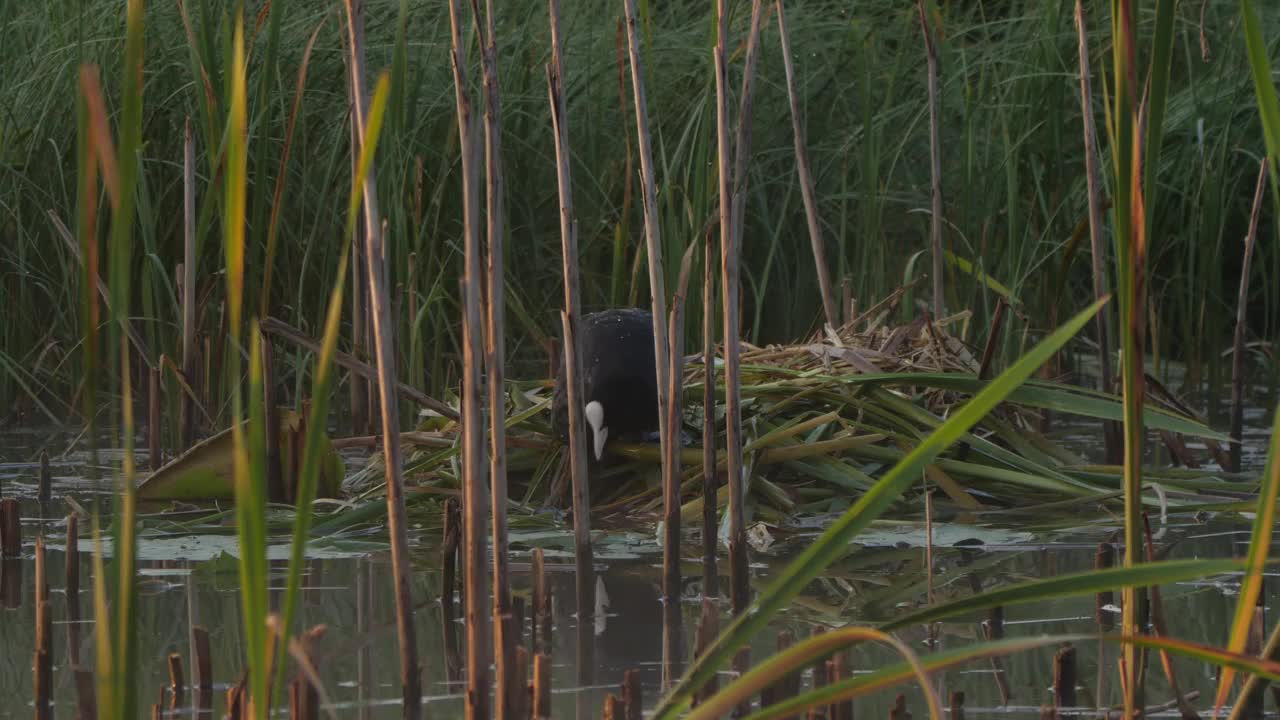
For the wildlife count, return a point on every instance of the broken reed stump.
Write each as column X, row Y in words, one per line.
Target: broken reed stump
column 517, row 620
column 541, row 686
column 1064, row 677
column 177, row 682
column 449, row 553
column 632, row 698
column 203, row 665
column 899, row 710
column 236, row 699
column 44, row 488
column 520, row 676
column 957, row 705
column 541, row 605
column 10, row 528
column 787, row 687
column 42, row 666
column 613, row 708
column 992, row 630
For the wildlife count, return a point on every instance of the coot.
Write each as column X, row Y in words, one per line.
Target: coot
column 619, row 377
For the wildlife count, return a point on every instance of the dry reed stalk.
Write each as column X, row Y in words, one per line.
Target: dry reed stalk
column 507, row 689
column 383, row 327
column 840, row 671
column 10, row 528
column 73, row 248
column 186, row 418
column 541, row 686
column 731, row 256
column 353, row 44
column 72, row 589
column 569, row 318
column 86, row 699
column 521, row 677
column 818, row 671
column 542, row 643
column 449, row 553
column 475, row 491
column 708, row 629
column 729, row 292
column 846, row 299
column 671, row 580
column 276, row 488
column 806, row 178
column 281, row 329
column 44, row 485
column 652, row 232
column 935, row 158
column 710, row 576
column 993, row 338
column 1110, row 430
column 42, row 663
column 154, row 454
column 1237, row 343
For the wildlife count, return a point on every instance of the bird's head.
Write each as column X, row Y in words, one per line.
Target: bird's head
column 599, row 431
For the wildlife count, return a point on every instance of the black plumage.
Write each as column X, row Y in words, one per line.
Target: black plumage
column 618, row 372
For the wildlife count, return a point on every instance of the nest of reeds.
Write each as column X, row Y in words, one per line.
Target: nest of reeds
column 824, row 418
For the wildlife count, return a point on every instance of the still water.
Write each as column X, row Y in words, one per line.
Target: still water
column 191, row 580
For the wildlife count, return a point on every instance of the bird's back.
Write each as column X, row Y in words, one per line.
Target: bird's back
column 617, row 369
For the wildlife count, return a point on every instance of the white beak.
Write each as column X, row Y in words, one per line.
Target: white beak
column 599, row 432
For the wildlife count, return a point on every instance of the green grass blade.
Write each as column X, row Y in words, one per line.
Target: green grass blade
column 324, row 371
column 251, row 527
column 1264, row 522
column 1066, row 585
column 1161, row 57
column 832, row 543
column 899, row 673
column 797, row 657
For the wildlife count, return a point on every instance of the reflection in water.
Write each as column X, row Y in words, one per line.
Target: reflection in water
column 623, row 625
column 11, row 582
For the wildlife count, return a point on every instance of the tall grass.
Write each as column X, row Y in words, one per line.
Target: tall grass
column 1013, row 177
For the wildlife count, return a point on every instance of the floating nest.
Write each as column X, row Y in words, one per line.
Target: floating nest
column 823, row 419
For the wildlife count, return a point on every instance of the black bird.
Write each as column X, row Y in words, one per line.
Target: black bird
column 619, row 377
